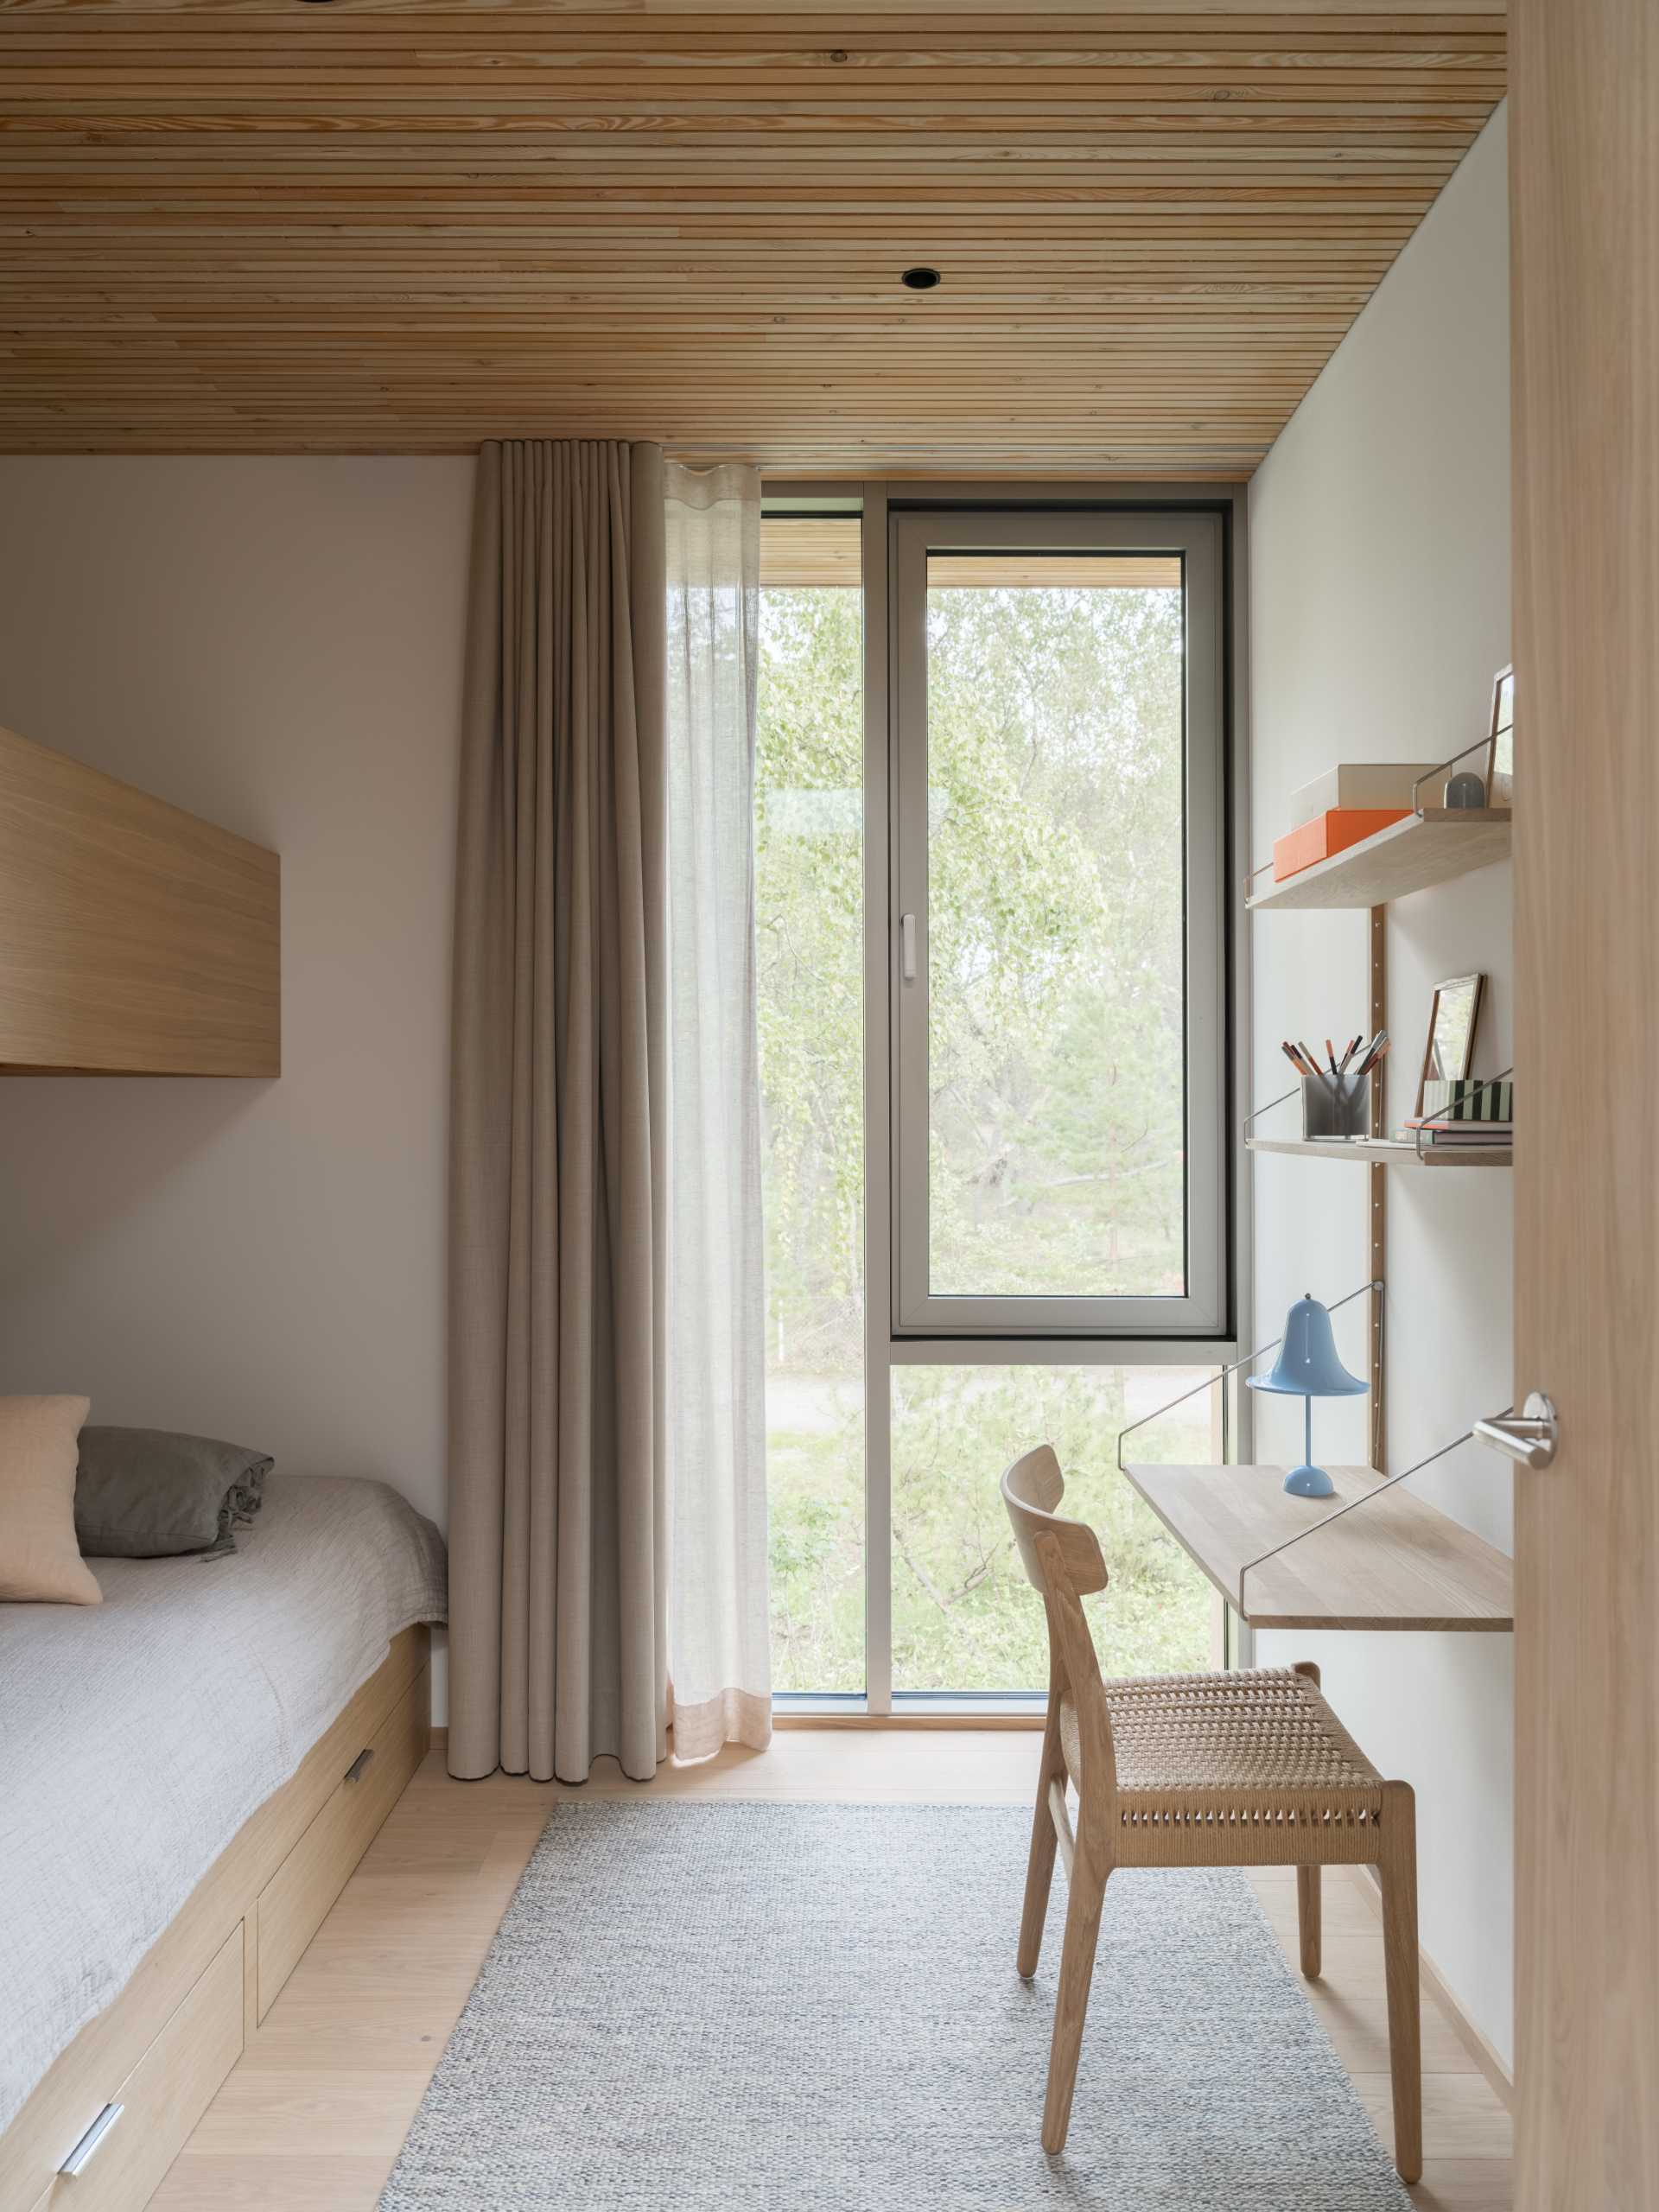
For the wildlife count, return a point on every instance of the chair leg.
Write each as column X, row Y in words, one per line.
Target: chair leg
column 1039, row 1873
column 1088, row 1894
column 1309, row 1918
column 1398, row 1869
column 1310, row 1915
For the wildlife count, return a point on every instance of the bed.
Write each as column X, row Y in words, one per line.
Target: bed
column 183, row 1794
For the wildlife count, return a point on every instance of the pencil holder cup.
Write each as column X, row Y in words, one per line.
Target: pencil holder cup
column 1336, row 1109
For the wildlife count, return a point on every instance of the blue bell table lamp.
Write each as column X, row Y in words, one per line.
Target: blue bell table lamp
column 1307, row 1368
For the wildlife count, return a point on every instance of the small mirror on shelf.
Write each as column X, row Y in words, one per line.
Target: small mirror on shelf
column 1449, row 1054
column 1500, row 759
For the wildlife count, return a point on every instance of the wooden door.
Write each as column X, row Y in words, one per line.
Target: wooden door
column 1585, row 204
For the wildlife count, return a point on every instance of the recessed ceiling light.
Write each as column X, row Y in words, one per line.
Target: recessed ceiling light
column 919, row 280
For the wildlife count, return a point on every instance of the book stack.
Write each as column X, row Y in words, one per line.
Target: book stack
column 1343, row 807
column 1465, row 1116
column 1463, row 1137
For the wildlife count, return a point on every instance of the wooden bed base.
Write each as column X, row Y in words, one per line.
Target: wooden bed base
column 163, row 2047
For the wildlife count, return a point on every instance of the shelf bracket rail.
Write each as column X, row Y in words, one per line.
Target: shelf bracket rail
column 1376, row 1288
column 1353, row 1506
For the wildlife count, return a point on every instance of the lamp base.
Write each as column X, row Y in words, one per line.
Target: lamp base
column 1310, row 1481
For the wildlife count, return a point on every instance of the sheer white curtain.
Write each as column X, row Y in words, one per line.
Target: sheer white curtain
column 719, row 1662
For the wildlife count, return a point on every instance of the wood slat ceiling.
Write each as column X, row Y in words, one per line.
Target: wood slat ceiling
column 260, row 225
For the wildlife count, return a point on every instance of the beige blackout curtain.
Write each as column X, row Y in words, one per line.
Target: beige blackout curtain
column 558, row 1273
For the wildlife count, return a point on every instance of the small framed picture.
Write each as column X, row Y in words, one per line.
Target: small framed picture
column 1500, row 759
column 1449, row 1055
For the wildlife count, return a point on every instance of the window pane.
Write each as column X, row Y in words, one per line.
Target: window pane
column 965, row 1617
column 808, row 897
column 1055, row 839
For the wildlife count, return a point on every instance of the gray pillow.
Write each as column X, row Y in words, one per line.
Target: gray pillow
column 144, row 1493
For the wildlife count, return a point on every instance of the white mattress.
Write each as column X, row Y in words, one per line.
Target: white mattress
column 137, row 1736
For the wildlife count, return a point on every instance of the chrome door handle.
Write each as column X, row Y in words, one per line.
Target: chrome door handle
column 907, row 947
column 1530, row 1436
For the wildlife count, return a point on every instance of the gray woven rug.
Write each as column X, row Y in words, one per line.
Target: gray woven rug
column 741, row 2005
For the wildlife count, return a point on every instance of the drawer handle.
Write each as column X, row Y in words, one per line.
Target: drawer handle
column 92, row 2141
column 359, row 1765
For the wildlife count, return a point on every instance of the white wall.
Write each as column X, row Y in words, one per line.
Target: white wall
column 277, row 646
column 1380, row 588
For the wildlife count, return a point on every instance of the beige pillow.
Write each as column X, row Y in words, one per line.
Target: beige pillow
column 39, row 1560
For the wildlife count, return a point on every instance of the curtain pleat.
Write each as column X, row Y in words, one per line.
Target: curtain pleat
column 558, row 1260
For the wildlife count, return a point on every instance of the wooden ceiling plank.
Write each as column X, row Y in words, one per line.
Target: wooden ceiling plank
column 234, row 227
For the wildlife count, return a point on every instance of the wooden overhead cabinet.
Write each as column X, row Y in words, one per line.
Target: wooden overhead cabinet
column 133, row 938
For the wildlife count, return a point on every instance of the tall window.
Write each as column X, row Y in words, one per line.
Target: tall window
column 809, row 927
column 1059, row 1161
column 1037, row 843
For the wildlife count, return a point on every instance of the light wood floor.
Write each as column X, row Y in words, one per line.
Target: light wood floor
column 312, row 2116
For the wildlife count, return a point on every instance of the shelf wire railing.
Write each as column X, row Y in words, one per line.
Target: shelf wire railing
column 1478, row 745
column 1375, row 1288
column 1352, row 1505
column 1486, row 1083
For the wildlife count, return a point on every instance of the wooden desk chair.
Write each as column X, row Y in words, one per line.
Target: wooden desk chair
column 1242, row 1770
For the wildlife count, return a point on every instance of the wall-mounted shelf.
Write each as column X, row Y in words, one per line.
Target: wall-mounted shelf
column 1436, row 844
column 1432, row 847
column 1396, row 1564
column 1384, row 1152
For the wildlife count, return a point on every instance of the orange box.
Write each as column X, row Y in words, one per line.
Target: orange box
column 1326, row 835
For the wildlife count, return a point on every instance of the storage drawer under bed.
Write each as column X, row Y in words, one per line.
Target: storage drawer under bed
column 153, row 2111
column 296, row 1901
column 279, row 1878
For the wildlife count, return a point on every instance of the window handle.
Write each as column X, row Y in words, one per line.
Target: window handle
column 907, row 947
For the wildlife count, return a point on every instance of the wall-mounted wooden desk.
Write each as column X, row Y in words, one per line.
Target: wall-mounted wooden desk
column 1396, row 1563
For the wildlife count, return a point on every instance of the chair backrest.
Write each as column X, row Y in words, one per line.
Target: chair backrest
column 1063, row 1558
column 1032, row 1488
